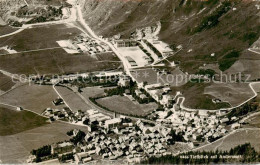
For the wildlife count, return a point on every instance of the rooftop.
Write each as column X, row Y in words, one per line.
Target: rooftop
column 161, row 46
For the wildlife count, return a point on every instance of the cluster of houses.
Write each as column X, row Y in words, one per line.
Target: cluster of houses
column 125, row 43
column 158, row 92
column 56, row 114
column 85, row 44
column 122, row 138
column 194, row 126
column 77, row 117
column 114, row 139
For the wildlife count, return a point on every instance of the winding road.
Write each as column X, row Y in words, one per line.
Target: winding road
column 78, row 20
column 193, row 110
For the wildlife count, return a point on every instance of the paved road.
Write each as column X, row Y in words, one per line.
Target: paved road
column 28, row 51
column 90, row 32
column 13, row 33
column 72, row 18
column 251, row 50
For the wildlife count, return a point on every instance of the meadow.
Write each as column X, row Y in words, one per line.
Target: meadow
column 33, row 97
column 124, row 105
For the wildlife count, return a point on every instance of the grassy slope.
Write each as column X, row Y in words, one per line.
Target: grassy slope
column 16, row 148
column 195, row 97
column 240, row 26
column 242, row 137
column 234, row 27
column 235, row 32
column 6, row 83
column 40, row 37
column 53, row 61
column 12, row 122
column 6, row 29
column 124, row 105
column 34, row 97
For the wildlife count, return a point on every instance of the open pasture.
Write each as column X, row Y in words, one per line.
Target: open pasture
column 33, row 97
column 13, row 122
column 4, row 29
column 74, row 101
column 39, row 53
column 248, row 64
column 53, row 61
column 238, row 138
column 234, row 93
column 6, row 82
column 16, row 148
column 39, row 37
column 93, row 91
column 124, row 105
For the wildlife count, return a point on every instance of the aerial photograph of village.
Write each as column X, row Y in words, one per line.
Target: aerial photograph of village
column 129, row 82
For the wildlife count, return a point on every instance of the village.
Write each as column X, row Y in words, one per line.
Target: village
column 83, row 44
column 127, row 138
column 135, row 140
column 84, row 84
column 120, row 135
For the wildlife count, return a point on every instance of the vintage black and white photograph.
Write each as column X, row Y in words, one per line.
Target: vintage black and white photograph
column 129, row 82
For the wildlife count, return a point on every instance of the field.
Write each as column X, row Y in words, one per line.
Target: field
column 107, row 57
column 256, row 87
column 200, row 95
column 233, row 93
column 32, row 97
column 39, row 37
column 16, row 148
column 248, row 63
column 124, row 105
column 13, row 122
column 254, row 121
column 6, row 29
column 53, row 61
column 195, row 97
column 51, row 58
column 74, row 101
column 238, row 138
column 93, row 91
column 6, row 82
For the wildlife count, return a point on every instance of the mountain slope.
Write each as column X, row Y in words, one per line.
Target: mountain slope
column 233, row 26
